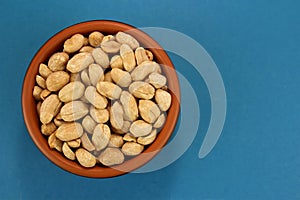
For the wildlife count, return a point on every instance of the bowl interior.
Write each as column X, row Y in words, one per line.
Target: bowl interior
column 55, row 44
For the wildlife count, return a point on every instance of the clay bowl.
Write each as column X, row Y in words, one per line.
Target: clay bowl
column 55, row 44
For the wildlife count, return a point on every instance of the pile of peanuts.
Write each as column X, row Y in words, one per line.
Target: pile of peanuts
column 102, row 99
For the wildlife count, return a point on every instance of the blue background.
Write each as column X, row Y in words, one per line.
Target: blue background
column 255, row 44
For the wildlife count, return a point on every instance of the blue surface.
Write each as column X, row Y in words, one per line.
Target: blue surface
column 255, row 44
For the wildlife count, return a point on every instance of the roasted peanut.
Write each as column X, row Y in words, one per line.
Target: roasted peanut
column 111, row 156
column 101, row 136
column 110, row 46
column 100, row 57
column 140, row 128
column 57, row 80
column 148, row 110
column 132, row 148
column 129, row 106
column 79, row 62
column 128, row 57
column 109, row 90
column 67, row 151
column 72, row 91
column 69, row 131
column 49, row 108
column 95, row 38
column 57, row 62
column 44, row 70
column 163, row 99
column 74, row 110
column 141, row 90
column 120, row 77
column 74, row 43
column 125, row 38
column 116, row 115
column 116, row 62
column 85, row 158
column 88, row 124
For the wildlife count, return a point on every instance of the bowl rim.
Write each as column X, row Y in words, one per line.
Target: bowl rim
column 30, row 114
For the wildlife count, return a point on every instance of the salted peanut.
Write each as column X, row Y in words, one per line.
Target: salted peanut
column 88, row 124
column 95, row 98
column 149, row 55
column 57, row 80
column 74, row 43
column 72, row 91
column 132, row 148
column 128, row 57
column 74, row 77
column 79, row 62
column 54, row 143
column 140, row 128
column 125, row 38
column 116, row 62
column 40, row 81
column 74, row 110
column 129, row 138
column 115, row 140
column 58, row 61
column 87, row 49
column 108, row 38
column 86, row 142
column 44, row 94
column 142, row 90
column 111, row 156
column 160, row 121
column 37, row 93
column 69, row 131
column 116, row 115
column 48, row 129
column 95, row 38
column 99, row 115
column 85, row 77
column 124, row 129
column 144, row 69
column 74, row 143
column 129, row 106
column 38, row 107
column 146, row 140
column 67, row 151
column 157, row 80
column 109, row 90
column 107, row 77
column 49, row 108
column 101, row 136
column 110, row 46
column 85, row 158
column 120, row 77
column 163, row 99
column 44, row 70
column 148, row 110
column 100, row 57
column 95, row 74
column 140, row 55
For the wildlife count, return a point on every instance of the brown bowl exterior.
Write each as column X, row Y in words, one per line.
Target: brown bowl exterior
column 55, row 44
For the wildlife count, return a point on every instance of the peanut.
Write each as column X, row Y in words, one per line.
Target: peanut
column 74, row 43
column 57, row 62
column 111, row 156
column 85, row 158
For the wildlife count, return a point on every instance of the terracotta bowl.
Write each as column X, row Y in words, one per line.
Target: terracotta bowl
column 55, row 44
